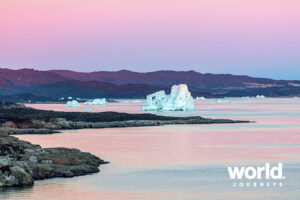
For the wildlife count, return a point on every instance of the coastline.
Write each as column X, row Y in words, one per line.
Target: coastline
column 18, row 119
column 62, row 124
column 22, row 162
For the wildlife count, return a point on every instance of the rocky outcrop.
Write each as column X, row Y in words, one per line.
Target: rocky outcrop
column 22, row 162
column 9, row 105
column 22, row 131
column 53, row 125
column 31, row 121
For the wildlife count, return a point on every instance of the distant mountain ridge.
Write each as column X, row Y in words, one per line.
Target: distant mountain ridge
column 167, row 78
column 128, row 84
column 23, row 77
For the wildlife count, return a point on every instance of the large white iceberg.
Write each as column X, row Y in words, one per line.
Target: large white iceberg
column 180, row 99
column 155, row 101
column 72, row 103
column 96, row 102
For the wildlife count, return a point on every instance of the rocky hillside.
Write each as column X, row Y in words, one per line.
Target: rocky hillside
column 167, row 78
column 128, row 84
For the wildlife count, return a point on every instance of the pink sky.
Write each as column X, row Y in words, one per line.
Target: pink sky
column 234, row 36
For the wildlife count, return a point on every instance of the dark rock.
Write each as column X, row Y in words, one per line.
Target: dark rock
column 22, row 162
column 32, row 121
column 22, row 177
column 9, row 124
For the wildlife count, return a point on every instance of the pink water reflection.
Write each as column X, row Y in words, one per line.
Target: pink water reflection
column 157, row 146
column 234, row 108
column 272, row 137
column 275, row 137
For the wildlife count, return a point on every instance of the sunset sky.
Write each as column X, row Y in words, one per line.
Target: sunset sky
column 252, row 37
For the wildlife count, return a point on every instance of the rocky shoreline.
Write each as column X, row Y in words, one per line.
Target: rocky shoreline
column 63, row 124
column 17, row 119
column 22, row 162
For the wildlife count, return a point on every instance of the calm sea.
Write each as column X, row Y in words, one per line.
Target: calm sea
column 182, row 162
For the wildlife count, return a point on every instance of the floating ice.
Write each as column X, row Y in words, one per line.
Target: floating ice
column 155, row 101
column 131, row 101
column 200, row 98
column 222, row 101
column 260, row 97
column 72, row 103
column 136, row 101
column 180, row 99
column 96, row 102
column 88, row 110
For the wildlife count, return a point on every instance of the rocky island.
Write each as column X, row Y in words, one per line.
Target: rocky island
column 22, row 162
column 18, row 119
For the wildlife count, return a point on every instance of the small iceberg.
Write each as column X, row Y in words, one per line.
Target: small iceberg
column 200, row 98
column 96, row 102
column 131, row 101
column 136, row 101
column 70, row 98
column 222, row 101
column 72, row 103
column 88, row 110
column 180, row 99
column 260, row 96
